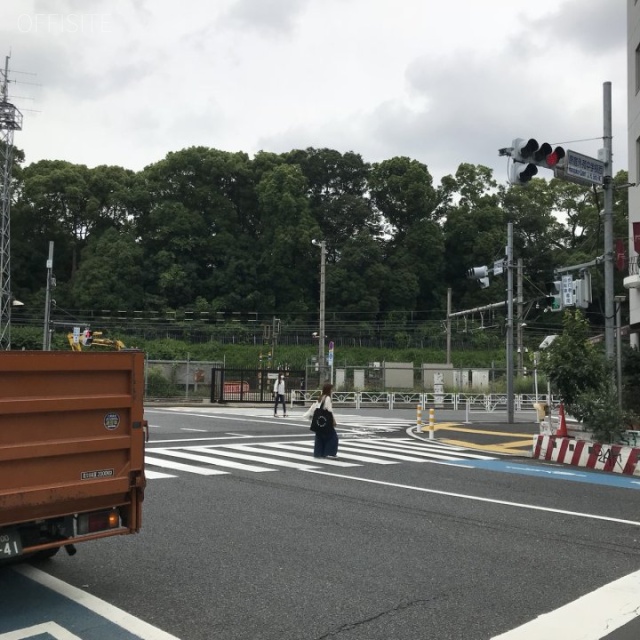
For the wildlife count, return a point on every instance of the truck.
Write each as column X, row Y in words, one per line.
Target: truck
column 72, row 441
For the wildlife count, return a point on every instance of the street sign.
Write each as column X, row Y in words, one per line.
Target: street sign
column 580, row 169
column 567, row 291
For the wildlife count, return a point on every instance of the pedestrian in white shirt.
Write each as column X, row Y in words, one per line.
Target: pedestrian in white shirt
column 279, row 391
column 325, row 444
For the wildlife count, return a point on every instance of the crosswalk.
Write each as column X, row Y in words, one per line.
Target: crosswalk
column 254, row 457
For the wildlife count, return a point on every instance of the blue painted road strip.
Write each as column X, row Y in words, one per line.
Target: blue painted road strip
column 37, row 606
column 572, row 474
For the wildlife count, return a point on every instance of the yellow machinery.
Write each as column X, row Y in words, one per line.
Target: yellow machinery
column 88, row 339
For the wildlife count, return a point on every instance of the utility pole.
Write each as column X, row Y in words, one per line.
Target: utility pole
column 449, row 325
column 46, row 338
column 520, row 319
column 10, row 121
column 482, row 275
column 510, row 412
column 323, row 258
column 607, row 213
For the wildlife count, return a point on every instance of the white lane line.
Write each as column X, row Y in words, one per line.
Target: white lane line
column 380, row 451
column 190, row 429
column 519, row 505
column 252, row 448
column 432, row 443
column 402, row 453
column 254, row 458
column 119, row 617
column 345, row 456
column 212, row 460
column 170, row 464
column 457, row 452
column 155, row 475
column 590, row 617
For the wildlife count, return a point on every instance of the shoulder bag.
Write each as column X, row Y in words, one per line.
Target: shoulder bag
column 322, row 421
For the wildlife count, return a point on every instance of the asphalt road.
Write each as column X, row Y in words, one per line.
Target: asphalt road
column 444, row 548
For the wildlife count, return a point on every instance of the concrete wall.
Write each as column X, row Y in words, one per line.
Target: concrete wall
column 397, row 375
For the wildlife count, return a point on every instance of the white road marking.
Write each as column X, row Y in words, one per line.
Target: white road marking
column 253, row 458
column 52, row 629
column 154, row 475
column 407, row 453
column 463, row 496
column 343, row 455
column 440, row 447
column 296, row 454
column 117, row 616
column 170, row 464
column 248, row 448
column 591, row 617
column 210, row 459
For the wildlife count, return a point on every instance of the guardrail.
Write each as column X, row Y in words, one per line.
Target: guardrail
column 407, row 400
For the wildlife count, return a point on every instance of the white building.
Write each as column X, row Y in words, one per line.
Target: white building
column 632, row 281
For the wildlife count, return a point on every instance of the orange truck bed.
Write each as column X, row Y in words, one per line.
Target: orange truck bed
column 72, row 438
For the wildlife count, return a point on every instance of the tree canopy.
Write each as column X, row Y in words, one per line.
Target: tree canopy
column 214, row 231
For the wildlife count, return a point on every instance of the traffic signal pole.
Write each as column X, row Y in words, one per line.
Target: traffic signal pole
column 607, row 214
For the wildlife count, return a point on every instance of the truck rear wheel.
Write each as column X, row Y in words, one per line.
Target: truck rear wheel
column 45, row 554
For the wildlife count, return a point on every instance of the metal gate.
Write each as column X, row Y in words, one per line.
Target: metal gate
column 252, row 385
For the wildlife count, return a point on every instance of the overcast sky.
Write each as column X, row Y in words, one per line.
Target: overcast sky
column 124, row 82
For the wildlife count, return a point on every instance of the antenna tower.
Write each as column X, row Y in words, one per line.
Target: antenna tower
column 10, row 121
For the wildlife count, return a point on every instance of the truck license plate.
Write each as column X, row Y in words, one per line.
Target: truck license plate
column 10, row 544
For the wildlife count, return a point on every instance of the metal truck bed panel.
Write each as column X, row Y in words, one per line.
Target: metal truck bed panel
column 71, row 432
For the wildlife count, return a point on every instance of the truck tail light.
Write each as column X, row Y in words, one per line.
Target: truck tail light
column 98, row 521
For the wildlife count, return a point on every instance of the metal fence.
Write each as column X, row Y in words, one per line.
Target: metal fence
column 198, row 381
column 473, row 402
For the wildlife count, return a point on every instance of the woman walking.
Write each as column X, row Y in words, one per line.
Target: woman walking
column 278, row 393
column 325, row 445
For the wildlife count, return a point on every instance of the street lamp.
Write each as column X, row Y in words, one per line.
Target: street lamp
column 323, row 255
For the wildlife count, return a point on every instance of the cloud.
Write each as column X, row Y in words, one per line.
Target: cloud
column 265, row 16
column 443, row 83
column 591, row 26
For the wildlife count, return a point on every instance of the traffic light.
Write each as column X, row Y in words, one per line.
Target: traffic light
column 528, row 155
column 481, row 274
column 520, row 173
column 554, row 299
column 583, row 295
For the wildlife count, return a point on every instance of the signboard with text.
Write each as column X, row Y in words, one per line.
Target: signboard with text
column 567, row 291
column 580, row 169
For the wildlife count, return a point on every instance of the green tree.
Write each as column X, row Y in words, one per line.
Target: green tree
column 285, row 255
column 573, row 363
column 111, row 273
column 475, row 233
column 580, row 372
